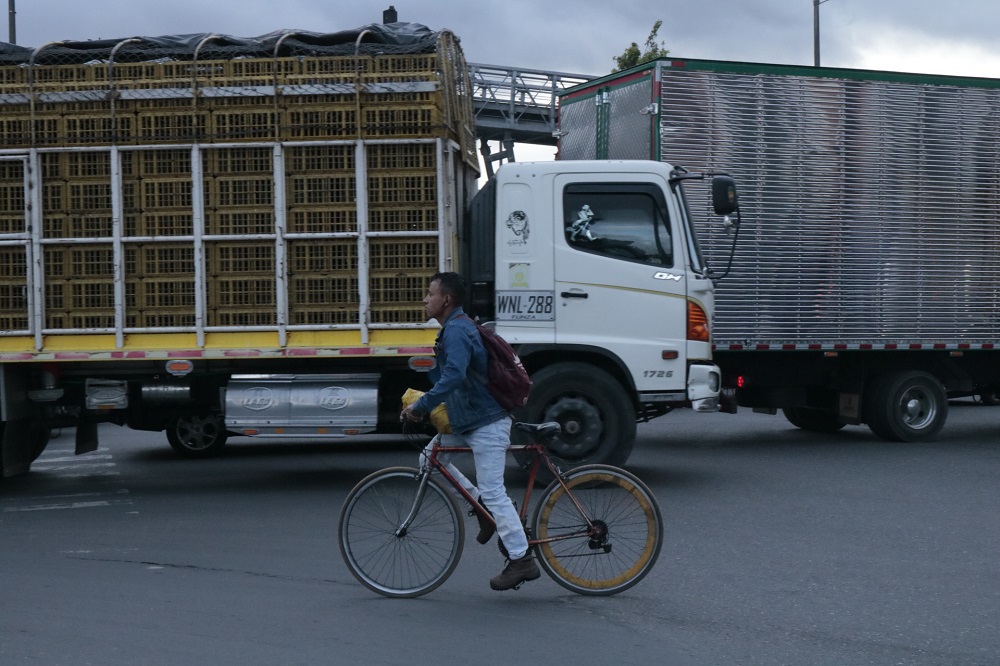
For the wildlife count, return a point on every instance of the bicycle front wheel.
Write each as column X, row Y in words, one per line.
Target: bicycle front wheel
column 400, row 565
column 625, row 540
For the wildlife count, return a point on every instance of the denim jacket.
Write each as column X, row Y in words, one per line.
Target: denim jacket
column 469, row 404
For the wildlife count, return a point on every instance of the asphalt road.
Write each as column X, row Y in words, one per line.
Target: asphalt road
column 782, row 547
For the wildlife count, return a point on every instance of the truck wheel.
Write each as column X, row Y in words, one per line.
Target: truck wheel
column 197, row 435
column 38, row 435
column 597, row 417
column 813, row 420
column 906, row 406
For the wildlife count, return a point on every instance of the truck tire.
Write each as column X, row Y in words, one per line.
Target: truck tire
column 813, row 420
column 906, row 406
column 38, row 435
column 35, row 435
column 596, row 415
column 197, row 435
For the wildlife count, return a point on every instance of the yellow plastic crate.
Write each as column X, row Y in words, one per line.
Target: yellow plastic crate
column 323, row 256
column 240, row 192
column 81, row 225
column 237, row 161
column 223, row 221
column 322, row 219
column 403, row 256
column 241, row 258
column 323, row 299
column 328, row 159
column 393, row 157
column 159, row 260
column 159, row 224
column 418, row 217
column 13, row 266
column 321, row 188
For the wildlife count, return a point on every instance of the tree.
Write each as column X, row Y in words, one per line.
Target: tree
column 633, row 56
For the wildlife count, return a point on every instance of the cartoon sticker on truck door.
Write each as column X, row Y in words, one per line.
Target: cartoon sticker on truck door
column 517, row 222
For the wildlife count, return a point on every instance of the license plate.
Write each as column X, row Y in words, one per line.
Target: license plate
column 525, row 305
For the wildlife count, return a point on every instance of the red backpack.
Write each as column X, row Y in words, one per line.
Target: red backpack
column 506, row 379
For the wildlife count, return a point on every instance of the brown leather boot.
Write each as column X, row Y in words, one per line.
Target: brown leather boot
column 486, row 528
column 515, row 573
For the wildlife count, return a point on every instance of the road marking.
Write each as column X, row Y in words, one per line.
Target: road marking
column 69, row 505
column 42, row 460
column 93, row 474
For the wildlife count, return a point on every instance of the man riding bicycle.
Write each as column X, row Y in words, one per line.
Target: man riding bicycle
column 477, row 421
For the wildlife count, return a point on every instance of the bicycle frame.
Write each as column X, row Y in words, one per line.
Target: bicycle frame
column 431, row 464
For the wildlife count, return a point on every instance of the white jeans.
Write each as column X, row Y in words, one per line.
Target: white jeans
column 489, row 450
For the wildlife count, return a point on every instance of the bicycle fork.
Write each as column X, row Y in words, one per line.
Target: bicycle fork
column 418, row 498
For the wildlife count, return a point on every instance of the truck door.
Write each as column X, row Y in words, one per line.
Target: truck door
column 620, row 278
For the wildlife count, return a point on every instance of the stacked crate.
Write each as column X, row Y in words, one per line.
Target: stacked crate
column 13, row 258
column 322, row 272
column 236, row 106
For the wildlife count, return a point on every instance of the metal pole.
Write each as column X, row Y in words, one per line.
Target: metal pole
column 816, row 4
column 816, row 33
column 11, row 22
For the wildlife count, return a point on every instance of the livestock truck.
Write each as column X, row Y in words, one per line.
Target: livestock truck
column 865, row 286
column 214, row 236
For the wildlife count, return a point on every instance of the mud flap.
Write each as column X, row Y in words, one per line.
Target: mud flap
column 86, row 437
column 16, row 457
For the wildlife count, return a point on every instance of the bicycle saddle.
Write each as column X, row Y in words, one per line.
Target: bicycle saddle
column 546, row 430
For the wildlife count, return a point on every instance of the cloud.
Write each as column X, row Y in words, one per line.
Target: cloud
column 583, row 35
column 903, row 50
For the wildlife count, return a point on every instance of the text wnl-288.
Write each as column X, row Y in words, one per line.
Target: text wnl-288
column 536, row 305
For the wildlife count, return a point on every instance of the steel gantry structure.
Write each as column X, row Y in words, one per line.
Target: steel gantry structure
column 516, row 105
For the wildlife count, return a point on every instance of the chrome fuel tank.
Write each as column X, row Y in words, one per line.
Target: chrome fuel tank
column 302, row 405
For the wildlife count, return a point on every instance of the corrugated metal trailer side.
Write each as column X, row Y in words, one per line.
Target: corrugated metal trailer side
column 865, row 285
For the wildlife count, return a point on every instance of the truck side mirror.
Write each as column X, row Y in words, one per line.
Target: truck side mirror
column 724, row 198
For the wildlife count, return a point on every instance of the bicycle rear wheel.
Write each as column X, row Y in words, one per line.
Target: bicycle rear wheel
column 400, row 566
column 628, row 536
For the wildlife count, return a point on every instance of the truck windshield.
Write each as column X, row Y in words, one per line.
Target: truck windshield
column 623, row 221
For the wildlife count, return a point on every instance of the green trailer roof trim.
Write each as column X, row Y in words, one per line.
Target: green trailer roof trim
column 795, row 70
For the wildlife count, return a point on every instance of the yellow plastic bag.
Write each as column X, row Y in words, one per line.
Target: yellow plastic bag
column 439, row 415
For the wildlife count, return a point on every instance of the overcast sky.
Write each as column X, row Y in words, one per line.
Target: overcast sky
column 582, row 36
column 959, row 37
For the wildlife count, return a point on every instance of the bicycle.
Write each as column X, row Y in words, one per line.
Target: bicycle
column 596, row 529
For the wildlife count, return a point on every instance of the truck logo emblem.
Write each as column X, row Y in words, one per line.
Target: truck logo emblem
column 668, row 276
column 258, row 399
column 334, row 397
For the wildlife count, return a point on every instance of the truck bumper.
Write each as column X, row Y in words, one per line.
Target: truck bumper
column 704, row 384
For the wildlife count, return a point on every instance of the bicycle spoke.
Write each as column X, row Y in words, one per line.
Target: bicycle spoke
column 626, row 536
column 413, row 563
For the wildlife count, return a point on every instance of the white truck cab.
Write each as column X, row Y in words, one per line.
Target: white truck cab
column 600, row 286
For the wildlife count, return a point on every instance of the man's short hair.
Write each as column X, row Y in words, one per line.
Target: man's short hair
column 453, row 285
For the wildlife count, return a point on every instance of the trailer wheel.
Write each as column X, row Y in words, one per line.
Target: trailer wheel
column 813, row 420
column 597, row 417
column 906, row 406
column 197, row 435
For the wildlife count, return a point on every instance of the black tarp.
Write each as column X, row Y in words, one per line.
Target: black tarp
column 375, row 38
